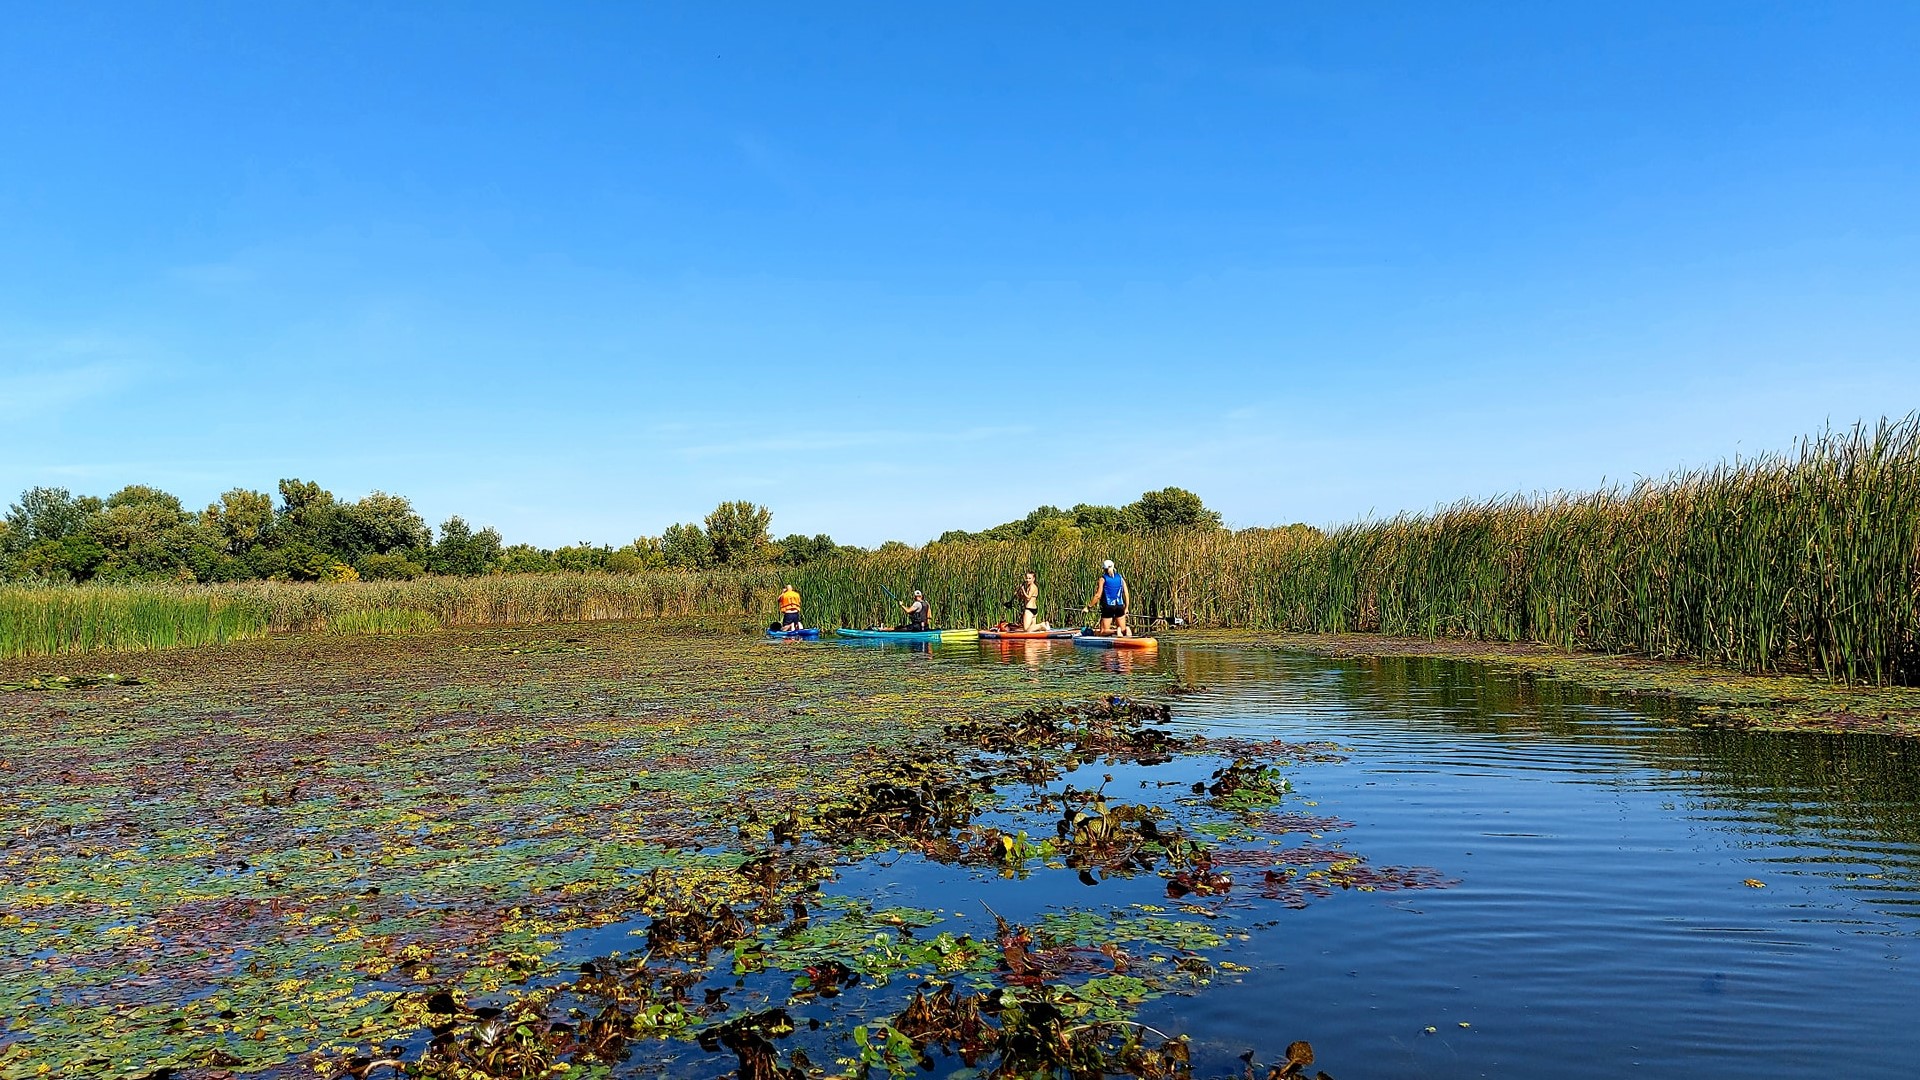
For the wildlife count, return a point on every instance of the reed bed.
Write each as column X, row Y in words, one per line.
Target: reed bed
column 1806, row 561
column 48, row 621
column 71, row 619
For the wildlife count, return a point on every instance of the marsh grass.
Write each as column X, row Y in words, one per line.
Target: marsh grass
column 1807, row 561
column 1803, row 561
column 383, row 621
column 48, row 621
column 74, row 619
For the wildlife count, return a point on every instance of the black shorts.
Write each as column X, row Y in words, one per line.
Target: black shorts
column 1112, row 611
column 789, row 618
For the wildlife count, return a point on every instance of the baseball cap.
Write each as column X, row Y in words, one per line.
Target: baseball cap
column 1108, row 565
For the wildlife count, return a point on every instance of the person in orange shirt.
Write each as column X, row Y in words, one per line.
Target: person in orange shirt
column 790, row 609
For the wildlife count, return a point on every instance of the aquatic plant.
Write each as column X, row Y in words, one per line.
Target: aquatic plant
column 357, row 853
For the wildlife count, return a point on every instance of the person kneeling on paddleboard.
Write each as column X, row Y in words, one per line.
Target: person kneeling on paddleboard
column 1026, row 600
column 919, row 615
column 1112, row 599
column 790, row 609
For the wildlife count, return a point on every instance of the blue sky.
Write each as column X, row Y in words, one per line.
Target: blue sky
column 581, row 271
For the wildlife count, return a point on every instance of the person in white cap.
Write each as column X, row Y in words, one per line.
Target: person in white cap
column 919, row 615
column 1111, row 598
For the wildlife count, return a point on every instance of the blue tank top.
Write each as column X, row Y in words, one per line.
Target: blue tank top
column 1110, row 586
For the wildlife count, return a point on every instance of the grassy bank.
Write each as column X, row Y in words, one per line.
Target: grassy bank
column 52, row 621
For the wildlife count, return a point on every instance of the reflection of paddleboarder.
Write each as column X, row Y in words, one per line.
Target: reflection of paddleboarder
column 919, row 615
column 1111, row 597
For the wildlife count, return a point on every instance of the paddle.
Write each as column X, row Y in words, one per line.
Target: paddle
column 894, row 598
column 890, row 596
column 1170, row 620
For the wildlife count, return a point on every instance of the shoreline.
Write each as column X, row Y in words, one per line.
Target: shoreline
column 1711, row 695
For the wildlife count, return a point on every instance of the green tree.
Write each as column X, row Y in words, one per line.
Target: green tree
column 798, row 550
column 381, row 566
column 145, row 534
column 643, row 554
column 737, row 532
column 47, row 513
column 75, row 557
column 1042, row 517
column 1054, row 530
column 462, row 551
column 524, row 559
column 239, row 520
column 1169, row 508
column 304, row 505
column 685, row 547
column 45, row 536
column 310, row 517
column 383, row 523
column 1097, row 519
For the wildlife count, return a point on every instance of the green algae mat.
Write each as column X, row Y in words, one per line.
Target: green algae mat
column 617, row 849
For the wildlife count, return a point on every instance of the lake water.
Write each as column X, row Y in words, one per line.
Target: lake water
column 1632, row 893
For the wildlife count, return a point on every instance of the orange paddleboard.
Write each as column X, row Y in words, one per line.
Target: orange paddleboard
column 1114, row 641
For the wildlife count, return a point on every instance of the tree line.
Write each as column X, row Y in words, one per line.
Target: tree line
column 142, row 533
column 1155, row 511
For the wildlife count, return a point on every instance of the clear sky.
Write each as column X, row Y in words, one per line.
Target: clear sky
column 583, row 270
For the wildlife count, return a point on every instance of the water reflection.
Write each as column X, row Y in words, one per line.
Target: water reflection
column 1844, row 808
column 1032, row 654
column 1635, row 889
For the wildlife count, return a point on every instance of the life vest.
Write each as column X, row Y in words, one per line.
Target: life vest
column 1112, row 587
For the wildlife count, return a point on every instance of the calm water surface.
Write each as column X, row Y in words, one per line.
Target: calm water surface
column 1603, row 919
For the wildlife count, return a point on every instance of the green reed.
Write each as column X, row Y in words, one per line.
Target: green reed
column 1802, row 561
column 46, row 621
column 37, row 621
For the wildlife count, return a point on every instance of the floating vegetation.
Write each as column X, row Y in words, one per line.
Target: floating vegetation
column 71, row 682
column 367, row 855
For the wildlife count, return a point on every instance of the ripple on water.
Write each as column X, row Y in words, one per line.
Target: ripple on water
column 1631, row 892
